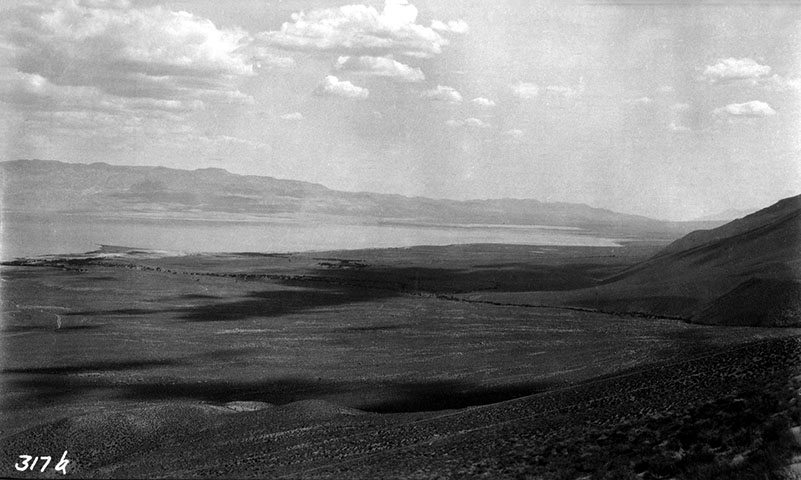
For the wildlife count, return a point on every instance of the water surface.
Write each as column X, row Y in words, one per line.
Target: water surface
column 40, row 234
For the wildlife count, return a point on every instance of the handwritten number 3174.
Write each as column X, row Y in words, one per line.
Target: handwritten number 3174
column 61, row 466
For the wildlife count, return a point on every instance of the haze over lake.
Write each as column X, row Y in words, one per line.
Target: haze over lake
column 41, row 234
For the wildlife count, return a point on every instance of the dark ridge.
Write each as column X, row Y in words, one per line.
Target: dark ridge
column 756, row 302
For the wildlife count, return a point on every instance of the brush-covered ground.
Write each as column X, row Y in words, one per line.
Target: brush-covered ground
column 361, row 364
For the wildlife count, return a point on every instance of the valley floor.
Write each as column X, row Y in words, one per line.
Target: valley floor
column 362, row 364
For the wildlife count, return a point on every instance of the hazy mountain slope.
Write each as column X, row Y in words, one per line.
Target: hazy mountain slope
column 727, row 215
column 750, row 261
column 782, row 209
column 35, row 185
column 764, row 243
column 747, row 272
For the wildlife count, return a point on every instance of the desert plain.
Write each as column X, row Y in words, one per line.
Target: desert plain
column 382, row 363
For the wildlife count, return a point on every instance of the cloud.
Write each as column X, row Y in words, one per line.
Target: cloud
column 50, row 111
column 754, row 108
column 453, row 26
column 525, row 90
column 127, row 52
column 380, row 67
column 468, row 122
column 109, row 72
column 361, row 29
column 515, row 133
column 749, row 72
column 641, row 101
column 565, row 91
column 482, row 102
column 114, row 74
column 105, row 3
column 341, row 88
column 292, row 116
column 443, row 93
column 562, row 91
column 665, row 89
column 732, row 69
column 476, row 123
column 265, row 59
column 778, row 82
column 34, row 93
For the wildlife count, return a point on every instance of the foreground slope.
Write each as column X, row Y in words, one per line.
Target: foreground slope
column 746, row 272
column 141, row 365
column 726, row 414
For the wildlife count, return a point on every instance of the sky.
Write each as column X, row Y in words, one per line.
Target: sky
column 673, row 110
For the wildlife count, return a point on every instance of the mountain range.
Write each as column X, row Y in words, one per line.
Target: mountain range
column 100, row 188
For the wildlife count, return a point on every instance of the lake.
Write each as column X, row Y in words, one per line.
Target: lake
column 26, row 234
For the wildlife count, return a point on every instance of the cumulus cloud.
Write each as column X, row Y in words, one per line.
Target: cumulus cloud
column 380, row 67
column 361, row 29
column 115, row 74
column 443, row 93
column 468, row 122
column 525, row 90
column 515, row 133
column 754, row 108
column 341, row 88
column 135, row 52
column 453, row 26
column 731, row 69
column 292, row 116
column 749, row 72
column 482, row 102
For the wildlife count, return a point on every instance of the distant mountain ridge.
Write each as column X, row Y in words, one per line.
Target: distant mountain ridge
column 51, row 186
